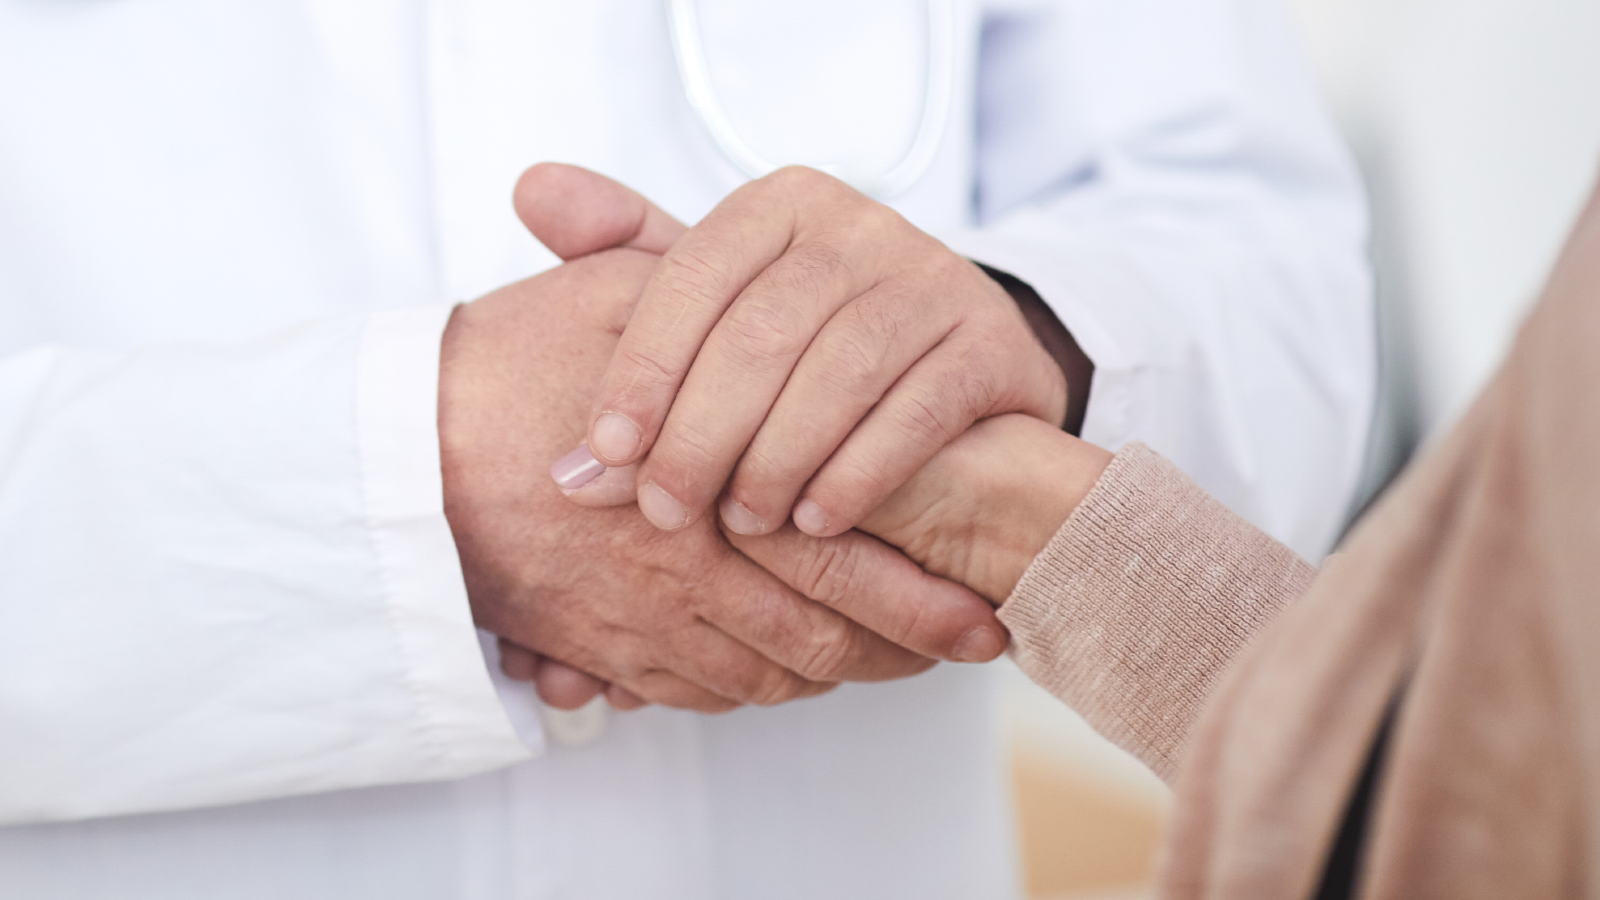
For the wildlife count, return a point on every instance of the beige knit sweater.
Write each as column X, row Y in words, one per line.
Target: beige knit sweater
column 1256, row 685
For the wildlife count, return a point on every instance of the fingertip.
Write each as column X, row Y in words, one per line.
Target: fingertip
column 739, row 519
column 960, row 625
column 615, row 486
column 980, row 645
column 663, row 510
column 562, row 687
column 615, row 439
column 574, row 211
column 624, row 700
column 576, row 469
column 811, row 518
column 518, row 663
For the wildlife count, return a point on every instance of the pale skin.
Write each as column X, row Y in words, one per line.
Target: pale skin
column 802, row 351
column 680, row 619
column 801, row 337
column 977, row 514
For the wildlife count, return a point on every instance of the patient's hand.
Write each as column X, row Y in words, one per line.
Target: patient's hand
column 977, row 513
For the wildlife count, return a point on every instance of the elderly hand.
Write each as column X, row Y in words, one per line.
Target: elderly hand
column 680, row 619
column 805, row 343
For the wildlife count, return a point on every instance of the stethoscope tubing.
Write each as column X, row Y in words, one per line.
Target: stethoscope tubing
column 689, row 50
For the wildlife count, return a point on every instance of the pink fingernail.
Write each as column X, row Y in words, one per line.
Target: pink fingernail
column 661, row 508
column 576, row 469
column 979, row 644
column 810, row 518
column 615, row 437
column 740, row 519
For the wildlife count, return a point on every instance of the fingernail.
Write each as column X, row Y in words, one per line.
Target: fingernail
column 614, row 437
column 810, row 518
column 979, row 644
column 661, row 508
column 576, row 469
column 739, row 519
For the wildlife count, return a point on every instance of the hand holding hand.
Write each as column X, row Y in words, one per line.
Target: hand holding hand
column 978, row 513
column 680, row 619
column 806, row 342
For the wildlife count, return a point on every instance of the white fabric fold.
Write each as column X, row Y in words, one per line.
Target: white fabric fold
column 218, row 587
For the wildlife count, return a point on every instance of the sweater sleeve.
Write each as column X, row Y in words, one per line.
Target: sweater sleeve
column 1139, row 602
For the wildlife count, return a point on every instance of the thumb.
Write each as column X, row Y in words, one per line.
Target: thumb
column 587, row 483
column 575, row 212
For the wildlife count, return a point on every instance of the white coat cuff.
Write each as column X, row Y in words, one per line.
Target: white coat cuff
column 397, row 423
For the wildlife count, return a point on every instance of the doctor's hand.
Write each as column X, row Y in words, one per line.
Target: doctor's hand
column 680, row 619
column 809, row 349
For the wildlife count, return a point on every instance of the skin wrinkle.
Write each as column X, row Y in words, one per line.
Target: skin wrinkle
column 744, row 228
column 875, row 464
column 630, row 634
column 819, row 258
column 766, row 336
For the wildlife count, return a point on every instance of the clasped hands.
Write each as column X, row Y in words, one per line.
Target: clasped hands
column 788, row 391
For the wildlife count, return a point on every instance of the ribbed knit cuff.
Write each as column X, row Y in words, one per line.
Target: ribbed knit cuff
column 1142, row 599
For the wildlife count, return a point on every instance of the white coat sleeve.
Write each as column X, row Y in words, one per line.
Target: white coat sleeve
column 225, row 575
column 1161, row 172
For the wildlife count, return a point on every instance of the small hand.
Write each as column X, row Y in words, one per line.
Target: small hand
column 978, row 513
column 806, row 343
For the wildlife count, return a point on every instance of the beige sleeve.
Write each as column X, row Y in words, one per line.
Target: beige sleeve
column 1140, row 601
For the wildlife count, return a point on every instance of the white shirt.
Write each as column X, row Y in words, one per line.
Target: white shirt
column 236, row 657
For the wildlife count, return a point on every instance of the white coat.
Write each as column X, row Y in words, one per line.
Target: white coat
column 236, row 658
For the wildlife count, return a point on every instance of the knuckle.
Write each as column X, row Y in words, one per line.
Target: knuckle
column 764, row 331
column 691, row 274
column 867, row 470
column 854, row 359
column 646, row 372
column 794, row 177
column 767, row 472
column 805, row 277
column 685, row 444
column 925, row 418
column 950, row 269
column 815, row 264
column 975, row 384
column 904, row 629
column 829, row 573
column 881, row 219
column 959, row 396
column 690, row 281
column 828, row 654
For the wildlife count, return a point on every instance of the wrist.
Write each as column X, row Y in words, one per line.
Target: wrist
column 990, row 502
column 1046, row 473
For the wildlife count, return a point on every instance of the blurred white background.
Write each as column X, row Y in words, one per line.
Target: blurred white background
column 1477, row 126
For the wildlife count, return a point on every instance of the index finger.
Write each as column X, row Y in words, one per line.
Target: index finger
column 695, row 283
